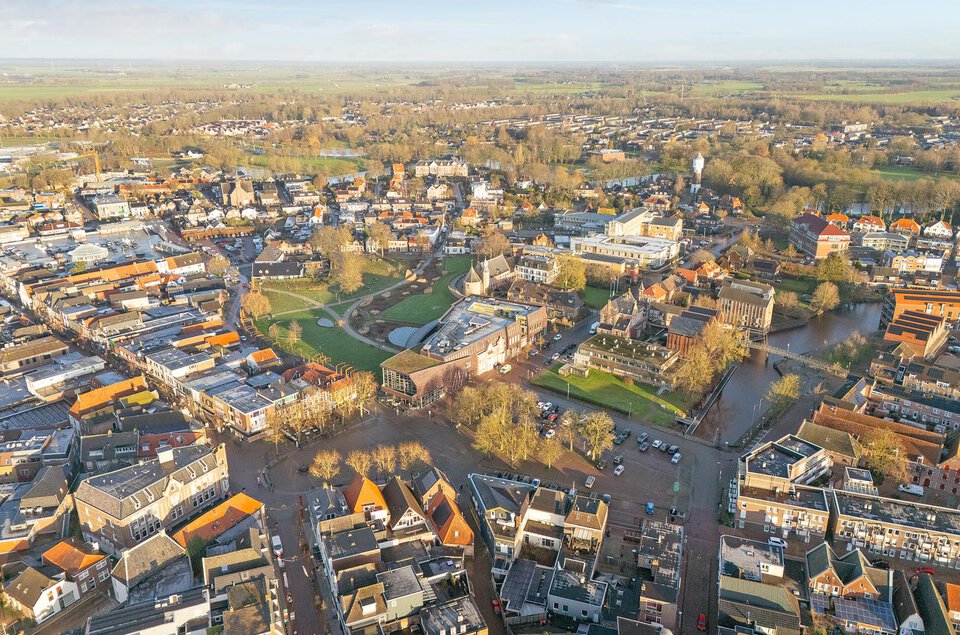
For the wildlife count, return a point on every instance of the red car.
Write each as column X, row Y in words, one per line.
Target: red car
column 702, row 623
column 496, row 606
column 926, row 570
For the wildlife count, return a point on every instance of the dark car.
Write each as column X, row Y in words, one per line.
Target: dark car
column 643, row 446
column 664, row 447
column 673, row 449
column 643, row 437
column 601, row 465
column 880, row 564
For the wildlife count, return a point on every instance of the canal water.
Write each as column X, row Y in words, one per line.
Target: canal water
column 738, row 407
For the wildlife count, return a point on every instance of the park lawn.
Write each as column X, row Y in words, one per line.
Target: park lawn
column 281, row 302
column 379, row 275
column 595, row 298
column 333, row 342
column 603, row 389
column 421, row 309
column 797, row 285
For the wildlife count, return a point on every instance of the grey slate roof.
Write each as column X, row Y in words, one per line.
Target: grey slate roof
column 400, row 499
column 146, row 558
column 113, row 492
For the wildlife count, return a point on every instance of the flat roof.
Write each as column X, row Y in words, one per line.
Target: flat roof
column 742, row 558
column 894, row 512
column 472, row 320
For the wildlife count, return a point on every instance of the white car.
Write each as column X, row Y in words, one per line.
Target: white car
column 549, row 433
column 618, row 471
column 506, row 368
column 558, row 337
column 657, row 443
column 676, row 458
column 277, row 546
column 778, row 542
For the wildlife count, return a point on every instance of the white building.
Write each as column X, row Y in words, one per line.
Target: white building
column 650, row 253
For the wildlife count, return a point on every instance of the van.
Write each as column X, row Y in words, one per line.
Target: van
column 910, row 488
column 589, row 482
column 506, row 368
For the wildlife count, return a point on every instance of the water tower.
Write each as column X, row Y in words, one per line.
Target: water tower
column 698, row 162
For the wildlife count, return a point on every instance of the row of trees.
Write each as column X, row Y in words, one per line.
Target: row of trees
column 320, row 410
column 505, row 423
column 327, row 462
column 717, row 348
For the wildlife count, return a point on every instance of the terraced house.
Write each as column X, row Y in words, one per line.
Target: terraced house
column 120, row 509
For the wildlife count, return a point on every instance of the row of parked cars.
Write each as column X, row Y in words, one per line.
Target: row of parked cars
column 549, row 414
column 643, row 444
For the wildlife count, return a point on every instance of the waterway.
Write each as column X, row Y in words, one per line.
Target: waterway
column 739, row 404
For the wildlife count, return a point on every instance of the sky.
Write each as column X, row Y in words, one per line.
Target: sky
column 639, row 31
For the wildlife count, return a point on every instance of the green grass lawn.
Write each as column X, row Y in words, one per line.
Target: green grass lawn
column 595, row 298
column 906, row 173
column 324, row 165
column 420, row 309
column 333, row 342
column 379, row 275
column 603, row 389
column 798, row 286
column 281, row 302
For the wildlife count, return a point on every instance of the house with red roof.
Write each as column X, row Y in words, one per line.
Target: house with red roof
column 867, row 224
column 362, row 495
column 940, row 229
column 905, row 226
column 80, row 563
column 448, row 523
column 237, row 510
column 814, row 236
column 840, row 220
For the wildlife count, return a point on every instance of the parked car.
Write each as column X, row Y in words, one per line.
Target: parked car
column 702, row 623
column 617, row 460
column 588, row 483
column 664, row 447
column 673, row 449
column 506, row 368
column 926, row 570
column 643, row 447
column 533, row 353
column 880, row 564
column 601, row 465
column 618, row 471
column 643, row 437
column 558, row 337
column 277, row 546
column 549, row 433
column 777, row 542
column 650, row 508
column 657, row 443
column 496, row 606
column 676, row 458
